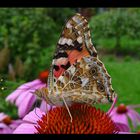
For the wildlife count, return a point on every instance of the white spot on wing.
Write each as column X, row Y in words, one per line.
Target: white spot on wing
column 79, row 32
column 69, row 42
column 60, row 40
column 76, row 19
column 63, row 41
column 79, row 39
column 72, row 69
column 84, row 81
column 69, row 25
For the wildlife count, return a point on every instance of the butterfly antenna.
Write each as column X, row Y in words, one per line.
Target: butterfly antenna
column 47, row 113
column 67, row 108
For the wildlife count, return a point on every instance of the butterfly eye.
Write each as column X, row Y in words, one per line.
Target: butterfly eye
column 93, row 71
column 100, row 87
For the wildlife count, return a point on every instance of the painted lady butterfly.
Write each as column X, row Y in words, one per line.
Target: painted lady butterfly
column 76, row 74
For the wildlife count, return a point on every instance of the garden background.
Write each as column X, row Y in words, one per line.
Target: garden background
column 28, row 37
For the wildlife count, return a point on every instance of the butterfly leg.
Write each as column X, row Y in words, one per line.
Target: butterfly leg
column 47, row 112
column 35, row 110
column 67, row 108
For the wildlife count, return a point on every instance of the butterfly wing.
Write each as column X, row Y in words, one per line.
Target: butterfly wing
column 86, row 81
column 76, row 72
column 74, row 43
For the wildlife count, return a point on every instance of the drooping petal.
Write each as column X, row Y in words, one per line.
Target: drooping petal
column 13, row 96
column 31, row 84
column 29, row 122
column 120, row 118
column 20, row 98
column 44, row 106
column 112, row 106
column 122, row 127
column 37, row 87
column 24, row 94
column 33, row 116
column 2, row 116
column 15, row 123
column 25, row 128
column 2, row 125
column 113, row 112
column 136, row 113
column 23, row 88
column 126, row 133
column 134, row 116
column 4, row 129
column 26, row 105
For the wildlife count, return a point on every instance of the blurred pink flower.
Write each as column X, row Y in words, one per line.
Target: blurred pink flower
column 23, row 96
column 124, row 129
column 122, row 113
column 7, row 125
column 30, row 121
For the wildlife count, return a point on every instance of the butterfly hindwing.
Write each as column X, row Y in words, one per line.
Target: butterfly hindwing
column 86, row 81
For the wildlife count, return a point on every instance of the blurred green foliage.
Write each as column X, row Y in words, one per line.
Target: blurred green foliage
column 30, row 34
column 116, row 24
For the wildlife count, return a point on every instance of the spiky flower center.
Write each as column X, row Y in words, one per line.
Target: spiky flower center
column 121, row 109
column 7, row 120
column 85, row 120
column 43, row 76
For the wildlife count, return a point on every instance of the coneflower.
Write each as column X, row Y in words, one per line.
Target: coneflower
column 23, row 98
column 85, row 120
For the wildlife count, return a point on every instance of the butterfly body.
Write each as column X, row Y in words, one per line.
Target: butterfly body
column 76, row 73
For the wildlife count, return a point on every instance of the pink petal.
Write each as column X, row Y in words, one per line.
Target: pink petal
column 15, row 124
column 34, row 116
column 126, row 133
column 134, row 116
column 31, row 84
column 2, row 116
column 5, row 129
column 24, row 94
column 112, row 106
column 24, row 87
column 20, row 98
column 12, row 97
column 2, row 125
column 44, row 106
column 114, row 111
column 25, row 128
column 37, row 87
column 122, row 127
column 120, row 118
column 26, row 105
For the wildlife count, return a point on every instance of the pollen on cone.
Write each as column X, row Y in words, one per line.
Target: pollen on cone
column 86, row 120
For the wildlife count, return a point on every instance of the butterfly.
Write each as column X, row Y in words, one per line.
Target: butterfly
column 76, row 73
